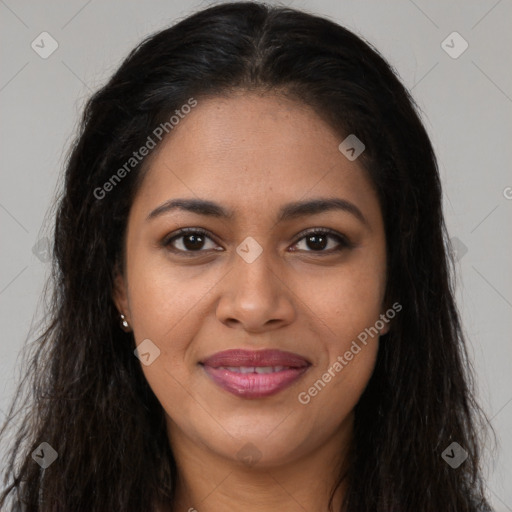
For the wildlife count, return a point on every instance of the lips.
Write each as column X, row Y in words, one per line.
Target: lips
column 255, row 374
column 253, row 358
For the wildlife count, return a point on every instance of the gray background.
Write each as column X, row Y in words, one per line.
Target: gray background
column 467, row 110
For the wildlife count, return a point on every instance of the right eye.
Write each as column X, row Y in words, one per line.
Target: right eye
column 188, row 240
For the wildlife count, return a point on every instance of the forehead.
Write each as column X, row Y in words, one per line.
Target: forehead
column 250, row 153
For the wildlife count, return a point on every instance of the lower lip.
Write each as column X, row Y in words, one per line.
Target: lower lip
column 254, row 385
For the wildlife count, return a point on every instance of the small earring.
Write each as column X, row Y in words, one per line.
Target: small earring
column 125, row 326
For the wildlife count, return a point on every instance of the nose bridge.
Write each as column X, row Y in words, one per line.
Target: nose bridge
column 254, row 272
column 254, row 294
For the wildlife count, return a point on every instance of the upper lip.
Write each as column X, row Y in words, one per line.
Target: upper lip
column 255, row 358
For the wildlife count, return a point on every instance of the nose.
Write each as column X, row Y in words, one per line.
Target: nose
column 255, row 296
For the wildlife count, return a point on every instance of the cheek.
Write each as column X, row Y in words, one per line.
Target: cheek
column 164, row 298
column 165, row 309
column 347, row 299
column 344, row 311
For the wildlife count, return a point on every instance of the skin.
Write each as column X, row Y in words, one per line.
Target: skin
column 253, row 153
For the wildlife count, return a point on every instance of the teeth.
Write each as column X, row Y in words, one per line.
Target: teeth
column 253, row 369
column 264, row 369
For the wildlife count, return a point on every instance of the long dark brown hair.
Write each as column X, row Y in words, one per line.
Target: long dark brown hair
column 87, row 396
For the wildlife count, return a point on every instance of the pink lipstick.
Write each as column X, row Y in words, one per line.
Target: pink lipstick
column 255, row 374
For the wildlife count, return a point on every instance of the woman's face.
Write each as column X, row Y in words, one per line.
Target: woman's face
column 255, row 281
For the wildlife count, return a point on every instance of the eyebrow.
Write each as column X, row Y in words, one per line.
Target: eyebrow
column 287, row 212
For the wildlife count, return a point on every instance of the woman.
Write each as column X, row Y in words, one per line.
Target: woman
column 253, row 305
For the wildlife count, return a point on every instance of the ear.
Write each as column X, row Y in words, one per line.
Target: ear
column 120, row 293
column 386, row 320
column 387, row 324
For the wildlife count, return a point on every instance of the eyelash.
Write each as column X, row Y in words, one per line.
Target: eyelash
column 343, row 242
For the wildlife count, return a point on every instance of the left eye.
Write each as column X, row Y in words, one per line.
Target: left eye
column 319, row 239
column 193, row 240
